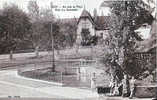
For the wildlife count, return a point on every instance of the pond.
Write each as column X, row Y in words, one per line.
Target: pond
column 74, row 80
column 83, row 81
column 68, row 75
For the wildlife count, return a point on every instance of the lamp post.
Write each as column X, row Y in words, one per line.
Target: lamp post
column 52, row 39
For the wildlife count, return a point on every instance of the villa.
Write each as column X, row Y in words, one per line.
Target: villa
column 90, row 26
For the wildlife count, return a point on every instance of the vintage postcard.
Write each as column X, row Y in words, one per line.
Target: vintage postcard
column 78, row 49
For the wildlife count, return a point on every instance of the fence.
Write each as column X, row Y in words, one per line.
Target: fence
column 42, row 70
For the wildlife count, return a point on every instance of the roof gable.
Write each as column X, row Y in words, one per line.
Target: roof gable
column 100, row 22
column 150, row 43
column 86, row 14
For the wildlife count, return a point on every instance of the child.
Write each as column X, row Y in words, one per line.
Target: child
column 132, row 87
column 116, row 90
column 112, row 85
column 125, row 85
column 93, row 82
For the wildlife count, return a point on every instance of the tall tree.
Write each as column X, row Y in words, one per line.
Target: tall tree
column 69, row 30
column 14, row 29
column 95, row 14
column 126, row 17
column 33, row 9
column 34, row 14
column 53, row 30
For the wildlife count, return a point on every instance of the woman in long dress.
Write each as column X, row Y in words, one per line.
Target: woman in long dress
column 125, row 85
column 116, row 89
column 93, row 82
column 111, row 85
column 132, row 87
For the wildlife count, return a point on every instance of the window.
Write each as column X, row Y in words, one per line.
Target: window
column 85, row 24
column 101, row 35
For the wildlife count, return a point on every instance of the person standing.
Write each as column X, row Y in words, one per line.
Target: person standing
column 93, row 82
column 125, row 86
column 116, row 90
column 112, row 85
column 37, row 51
column 132, row 87
column 11, row 55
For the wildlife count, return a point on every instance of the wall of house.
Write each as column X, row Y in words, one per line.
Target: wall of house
column 84, row 23
column 144, row 31
column 103, row 32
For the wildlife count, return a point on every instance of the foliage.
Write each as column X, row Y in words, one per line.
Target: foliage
column 87, row 39
column 69, row 30
column 36, row 29
column 14, row 29
column 126, row 16
column 58, row 37
column 19, row 31
column 95, row 14
column 33, row 9
column 42, row 22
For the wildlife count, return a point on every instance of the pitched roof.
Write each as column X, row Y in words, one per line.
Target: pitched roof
column 148, row 44
column 100, row 22
column 86, row 14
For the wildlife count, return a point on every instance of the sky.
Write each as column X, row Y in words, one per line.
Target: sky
column 79, row 5
column 58, row 9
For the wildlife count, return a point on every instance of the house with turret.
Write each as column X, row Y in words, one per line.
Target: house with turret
column 88, row 27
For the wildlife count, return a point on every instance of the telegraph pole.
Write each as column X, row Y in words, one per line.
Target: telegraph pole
column 52, row 39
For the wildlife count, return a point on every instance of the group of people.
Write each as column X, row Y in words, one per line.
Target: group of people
column 125, row 88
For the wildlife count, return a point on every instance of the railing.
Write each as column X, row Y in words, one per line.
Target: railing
column 42, row 70
column 47, row 64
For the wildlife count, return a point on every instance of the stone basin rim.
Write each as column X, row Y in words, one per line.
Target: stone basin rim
column 147, row 86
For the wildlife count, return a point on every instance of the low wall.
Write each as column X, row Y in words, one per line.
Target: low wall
column 146, row 91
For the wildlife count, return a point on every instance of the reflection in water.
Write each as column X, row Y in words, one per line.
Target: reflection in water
column 83, row 78
column 81, row 75
column 76, row 81
column 78, row 77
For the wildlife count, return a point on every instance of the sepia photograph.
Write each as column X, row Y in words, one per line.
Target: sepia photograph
column 78, row 49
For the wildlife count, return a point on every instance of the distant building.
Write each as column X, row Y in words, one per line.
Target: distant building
column 144, row 31
column 145, row 52
column 91, row 26
column 148, row 34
